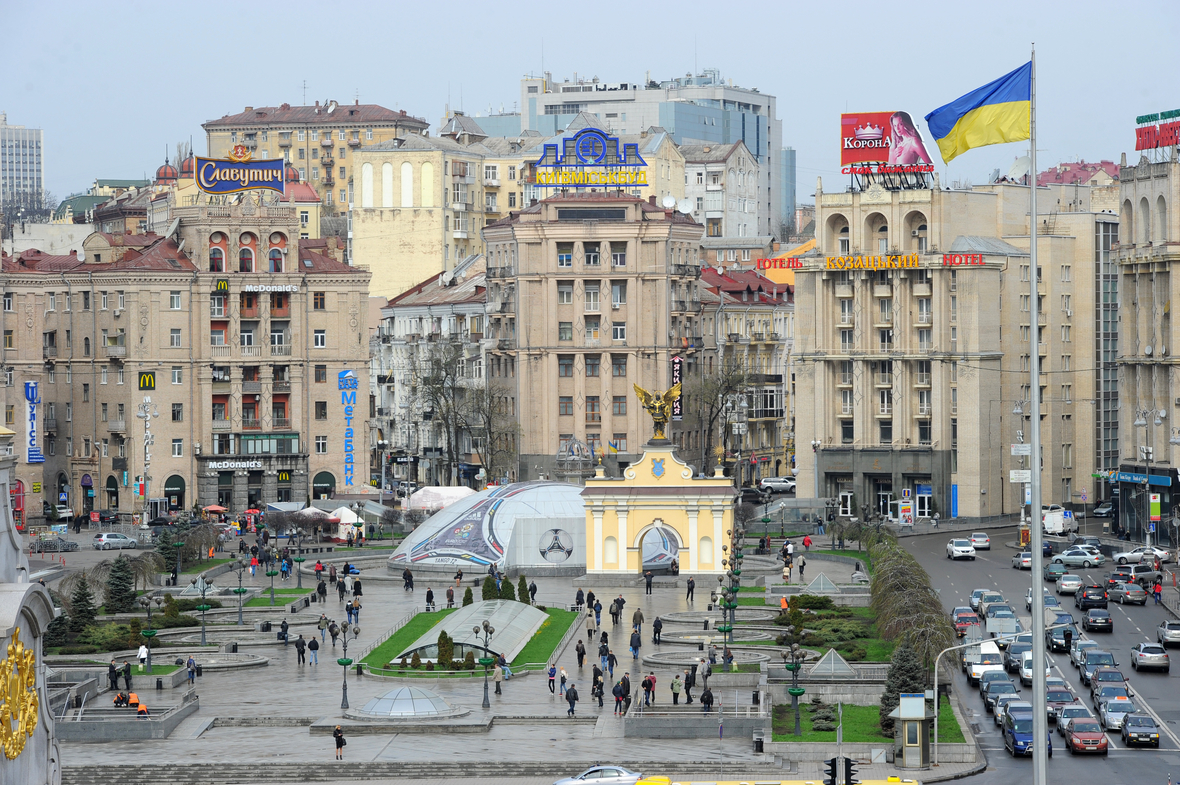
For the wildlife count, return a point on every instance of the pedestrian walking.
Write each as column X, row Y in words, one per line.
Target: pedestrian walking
column 598, row 613
column 552, row 677
column 340, row 590
column 498, row 677
column 571, row 695
column 332, row 574
column 579, row 600
column 648, row 578
column 143, row 655
column 706, row 700
column 614, row 612
column 580, row 650
column 692, row 584
column 429, row 598
column 409, row 580
column 807, row 542
column 563, row 679
column 657, row 627
column 334, row 631
column 590, row 599
column 322, row 590
column 689, row 683
column 338, row 735
column 636, row 642
column 590, row 625
column 450, row 597
column 323, row 627
column 533, row 592
column 646, row 685
column 191, row 667
column 637, row 620
column 127, row 674
column 319, row 570
column 1157, row 591
column 313, row 648
column 283, row 631
column 349, row 539
column 611, row 662
column 356, row 588
column 617, row 691
column 300, row 651
column 603, row 651
column 597, row 690
column 676, row 687
column 253, row 565
column 626, row 682
column 802, row 564
column 356, row 611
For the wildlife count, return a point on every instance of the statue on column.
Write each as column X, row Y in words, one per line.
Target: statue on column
column 659, row 406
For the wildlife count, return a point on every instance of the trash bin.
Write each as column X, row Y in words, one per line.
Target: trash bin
column 265, row 627
column 233, row 648
column 159, row 684
column 757, row 699
column 758, row 744
column 359, row 669
column 198, row 670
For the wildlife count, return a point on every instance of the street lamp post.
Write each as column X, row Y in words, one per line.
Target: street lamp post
column 204, row 606
column 271, row 574
column 1141, row 416
column 795, row 656
column 485, row 660
column 241, row 565
column 344, row 661
column 815, row 445
column 150, row 632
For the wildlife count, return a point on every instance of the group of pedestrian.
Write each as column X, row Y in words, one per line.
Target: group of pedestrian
column 789, row 561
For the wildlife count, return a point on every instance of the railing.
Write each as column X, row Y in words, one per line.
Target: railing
column 924, row 410
column 846, row 347
column 281, row 423
column 251, row 351
column 248, row 313
column 252, row 387
column 922, row 379
column 251, row 425
column 846, row 379
column 380, row 639
column 845, row 318
column 758, row 337
column 280, row 387
column 50, row 423
column 501, row 272
column 48, row 352
column 885, row 379
column 886, row 346
column 503, row 344
column 884, row 319
column 924, row 318
column 219, row 350
column 116, row 351
column 117, row 426
column 280, row 350
column 885, row 408
column 222, row 425
column 679, row 305
column 925, row 346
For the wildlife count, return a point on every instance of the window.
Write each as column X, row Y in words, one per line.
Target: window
column 122, row 299
column 174, row 301
column 103, row 375
column 886, row 338
column 1066, row 330
column 565, row 365
column 85, row 393
column 216, row 263
column 565, row 405
column 217, row 305
column 321, row 374
column 565, row 331
column 9, row 376
column 591, row 252
column 618, row 365
column 276, row 260
column 104, row 300
column 315, row 170
column 177, row 374
column 592, row 328
column 10, row 415
column 618, row 294
column 1066, row 362
column 924, row 398
column 52, row 446
column 246, row 336
column 885, row 401
column 886, row 429
column 321, row 410
column 1065, row 271
column 846, row 341
column 246, row 260
column 565, row 293
column 619, row 405
column 593, row 362
column 178, row 448
column 8, row 340
column 511, row 172
column 69, row 445
column 85, row 301
column 321, row 445
column 846, row 432
column 52, row 301
column 512, row 199
column 319, row 301
column 320, row 339
column 619, row 443
column 174, row 338
column 8, row 301
column 591, row 298
column 1067, row 456
column 619, row 331
column 69, row 412
column 619, row 258
column 1067, row 393
column 565, row 254
column 178, row 412
column 925, row 340
column 924, row 432
column 593, row 414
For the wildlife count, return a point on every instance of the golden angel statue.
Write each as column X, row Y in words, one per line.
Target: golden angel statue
column 659, row 406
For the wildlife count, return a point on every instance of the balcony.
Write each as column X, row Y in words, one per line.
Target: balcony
column 884, row 409
column 846, row 319
column 491, row 182
column 49, row 353
column 251, row 351
column 281, row 312
column 249, row 424
column 281, row 423
column 775, row 337
column 117, row 426
column 50, row 424
column 219, row 350
column 251, row 387
column 845, row 380
column 924, row 318
column 844, row 290
column 885, row 347
column 249, row 313
column 285, row 140
column 846, row 347
column 222, row 425
column 685, row 270
column 501, row 272
column 884, row 320
column 459, row 234
column 280, row 350
column 925, row 289
column 923, row 410
column 679, row 305
column 504, row 344
column 882, row 290
column 354, row 142
column 925, row 347
column 280, row 386
column 116, row 352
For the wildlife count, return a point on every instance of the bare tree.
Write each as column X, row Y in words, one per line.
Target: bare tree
column 489, row 417
column 31, row 206
column 705, row 395
column 441, row 375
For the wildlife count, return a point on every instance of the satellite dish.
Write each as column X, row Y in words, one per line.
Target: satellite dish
column 81, row 255
column 1147, row 351
column 669, row 202
column 684, row 206
column 1020, row 167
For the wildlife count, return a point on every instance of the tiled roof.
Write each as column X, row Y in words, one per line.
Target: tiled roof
column 707, row 153
column 302, row 192
column 472, row 289
column 130, row 240
column 161, row 255
column 343, row 114
column 985, row 245
column 733, row 282
column 321, row 262
column 1078, row 172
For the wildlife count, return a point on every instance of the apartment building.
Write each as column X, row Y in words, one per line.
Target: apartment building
column 912, row 372
column 241, row 348
column 721, row 185
column 22, row 167
column 589, row 294
column 319, row 141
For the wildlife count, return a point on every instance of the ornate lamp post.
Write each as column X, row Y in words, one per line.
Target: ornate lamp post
column 792, row 661
column 150, row 632
column 344, row 661
column 729, row 594
column 204, row 606
column 241, row 566
column 485, row 660
column 177, row 546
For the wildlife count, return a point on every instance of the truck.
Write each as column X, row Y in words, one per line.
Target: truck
column 979, row 660
column 1056, row 520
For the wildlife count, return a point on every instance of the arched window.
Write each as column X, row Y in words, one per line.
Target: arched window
column 85, row 347
column 705, row 551
column 367, row 185
column 883, row 239
column 246, row 260
column 216, row 260
column 387, row 184
column 1144, row 221
column 276, row 260
column 610, row 551
column 407, row 184
column 1161, row 220
column 428, row 184
column 1126, row 222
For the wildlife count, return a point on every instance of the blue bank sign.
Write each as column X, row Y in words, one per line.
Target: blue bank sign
column 590, row 159
column 215, row 176
column 347, row 382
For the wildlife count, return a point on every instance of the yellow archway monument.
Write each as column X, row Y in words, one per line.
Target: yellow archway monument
column 658, row 490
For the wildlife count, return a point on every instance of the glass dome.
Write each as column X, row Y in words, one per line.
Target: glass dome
column 407, row 703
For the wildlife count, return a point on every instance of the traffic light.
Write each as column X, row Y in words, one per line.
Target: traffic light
column 832, row 770
column 850, row 772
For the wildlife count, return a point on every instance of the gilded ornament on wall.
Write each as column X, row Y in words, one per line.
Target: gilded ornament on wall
column 18, row 697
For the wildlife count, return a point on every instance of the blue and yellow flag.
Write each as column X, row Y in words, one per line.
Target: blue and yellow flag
column 998, row 112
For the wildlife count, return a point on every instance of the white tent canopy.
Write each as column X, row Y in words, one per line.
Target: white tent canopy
column 346, row 515
column 436, row 497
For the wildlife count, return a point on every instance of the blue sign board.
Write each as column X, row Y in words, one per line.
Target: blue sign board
column 348, row 384
column 226, row 177
column 1135, row 477
column 32, row 449
column 923, row 490
column 954, row 501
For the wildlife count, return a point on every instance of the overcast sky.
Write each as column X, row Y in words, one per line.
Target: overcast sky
column 115, row 86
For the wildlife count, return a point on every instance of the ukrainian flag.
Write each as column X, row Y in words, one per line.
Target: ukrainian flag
column 998, row 112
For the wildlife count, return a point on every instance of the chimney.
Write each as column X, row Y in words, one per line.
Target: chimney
column 651, row 199
column 249, row 109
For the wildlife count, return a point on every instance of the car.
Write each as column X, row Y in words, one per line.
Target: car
column 1097, row 620
column 1079, row 539
column 1050, row 600
column 987, row 677
column 52, row 545
column 1140, row 729
column 107, row 516
column 1046, row 548
column 406, row 489
column 64, row 512
column 1078, row 646
column 1000, row 609
column 1013, row 654
column 1143, row 574
column 997, row 688
column 1068, row 584
column 1103, row 510
column 1056, row 683
column 1139, row 555
column 1055, row 699
column 1084, row 734
column 981, row 541
column 106, row 541
column 1124, row 593
column 1104, row 694
column 1022, row 561
column 1018, row 734
column 1093, row 659
column 1090, row 596
column 1102, row 677
column 777, row 484
column 754, row 496
column 603, row 775
column 1055, row 639
column 975, row 595
column 964, row 621
column 1026, row 668
column 1149, row 655
column 1080, row 556
column 988, row 598
column 1002, row 704
column 1067, row 714
column 1111, row 712
column 960, row 549
column 1054, row 571
column 1168, row 633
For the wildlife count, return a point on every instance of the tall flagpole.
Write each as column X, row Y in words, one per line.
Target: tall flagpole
column 1040, row 720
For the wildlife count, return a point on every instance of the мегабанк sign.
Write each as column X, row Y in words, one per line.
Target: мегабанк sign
column 348, row 385
column 239, row 173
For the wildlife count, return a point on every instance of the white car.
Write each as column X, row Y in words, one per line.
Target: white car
column 603, row 775
column 64, row 512
column 980, row 541
column 1136, row 555
column 1022, row 561
column 113, row 541
column 960, row 549
column 777, row 484
column 1050, row 600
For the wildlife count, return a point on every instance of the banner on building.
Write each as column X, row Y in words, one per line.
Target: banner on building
column 882, row 143
column 32, row 449
column 677, row 378
column 239, row 173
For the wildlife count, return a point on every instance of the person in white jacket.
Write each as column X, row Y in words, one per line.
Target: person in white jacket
column 143, row 655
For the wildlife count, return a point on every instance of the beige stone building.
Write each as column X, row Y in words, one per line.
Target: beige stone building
column 916, row 350
column 589, row 294
column 319, row 141
column 231, row 336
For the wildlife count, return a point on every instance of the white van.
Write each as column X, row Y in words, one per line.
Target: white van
column 1056, row 520
column 1026, row 673
column 989, row 658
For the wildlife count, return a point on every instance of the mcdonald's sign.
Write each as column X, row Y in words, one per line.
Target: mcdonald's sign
column 147, row 380
column 284, row 476
column 222, row 286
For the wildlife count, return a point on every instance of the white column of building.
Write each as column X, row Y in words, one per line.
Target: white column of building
column 596, row 511
column 692, row 538
column 624, row 542
column 718, row 535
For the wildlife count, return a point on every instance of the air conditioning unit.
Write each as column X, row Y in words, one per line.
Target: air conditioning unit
column 913, row 233
column 118, row 312
column 1178, row 402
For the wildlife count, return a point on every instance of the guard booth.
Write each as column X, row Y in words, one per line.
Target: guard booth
column 912, row 727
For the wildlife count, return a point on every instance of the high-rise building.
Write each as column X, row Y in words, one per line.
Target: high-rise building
column 787, row 184
column 22, row 167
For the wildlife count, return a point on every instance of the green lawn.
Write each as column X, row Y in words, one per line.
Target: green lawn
column 540, row 647
column 282, row 596
column 759, row 600
column 751, row 589
column 201, row 566
column 948, row 727
column 862, row 724
column 414, row 629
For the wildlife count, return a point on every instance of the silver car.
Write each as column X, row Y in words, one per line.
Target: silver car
column 1122, row 593
column 1168, row 633
column 603, row 775
column 1137, row 555
column 1112, row 712
column 1068, row 584
column 108, row 540
column 1022, row 561
column 1078, row 646
column 1149, row 655
column 1080, row 556
column 981, row 541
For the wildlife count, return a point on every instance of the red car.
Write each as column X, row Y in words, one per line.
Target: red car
column 963, row 621
column 1085, row 735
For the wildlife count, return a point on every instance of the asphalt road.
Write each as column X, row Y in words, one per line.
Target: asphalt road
column 1132, row 624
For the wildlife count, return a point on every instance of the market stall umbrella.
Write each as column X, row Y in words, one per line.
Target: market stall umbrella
column 214, row 508
column 251, row 512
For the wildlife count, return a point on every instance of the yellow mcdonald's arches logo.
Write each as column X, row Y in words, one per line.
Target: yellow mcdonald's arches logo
column 223, row 285
column 147, row 380
column 284, row 476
